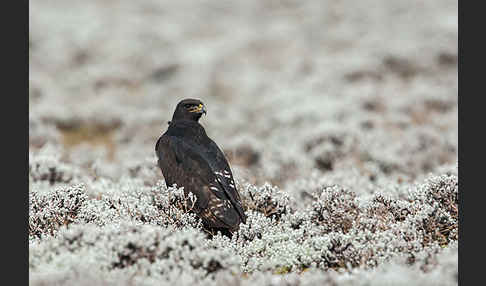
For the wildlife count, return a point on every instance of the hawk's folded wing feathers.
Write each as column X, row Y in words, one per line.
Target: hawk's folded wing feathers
column 202, row 173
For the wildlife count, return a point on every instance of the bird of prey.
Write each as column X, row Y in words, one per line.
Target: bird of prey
column 189, row 158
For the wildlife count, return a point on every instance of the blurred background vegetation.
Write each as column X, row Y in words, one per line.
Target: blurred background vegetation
column 290, row 86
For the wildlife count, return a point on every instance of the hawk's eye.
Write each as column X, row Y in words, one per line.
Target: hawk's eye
column 187, row 105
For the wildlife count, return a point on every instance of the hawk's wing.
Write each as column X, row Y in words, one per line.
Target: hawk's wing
column 200, row 171
column 224, row 176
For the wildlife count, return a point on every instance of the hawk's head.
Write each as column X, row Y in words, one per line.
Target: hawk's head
column 189, row 109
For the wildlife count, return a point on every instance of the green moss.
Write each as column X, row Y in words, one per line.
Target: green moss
column 282, row 270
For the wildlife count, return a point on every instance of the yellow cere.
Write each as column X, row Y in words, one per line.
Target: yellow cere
column 196, row 108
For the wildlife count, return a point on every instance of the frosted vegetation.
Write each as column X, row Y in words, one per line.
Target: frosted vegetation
column 339, row 119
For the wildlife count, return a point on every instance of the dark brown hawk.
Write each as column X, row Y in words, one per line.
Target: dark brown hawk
column 190, row 159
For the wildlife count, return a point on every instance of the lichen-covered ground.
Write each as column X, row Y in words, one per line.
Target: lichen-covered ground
column 339, row 119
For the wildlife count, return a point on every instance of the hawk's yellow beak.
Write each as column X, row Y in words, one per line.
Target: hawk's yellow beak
column 200, row 109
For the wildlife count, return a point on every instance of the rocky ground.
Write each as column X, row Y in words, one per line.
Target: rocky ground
column 339, row 119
